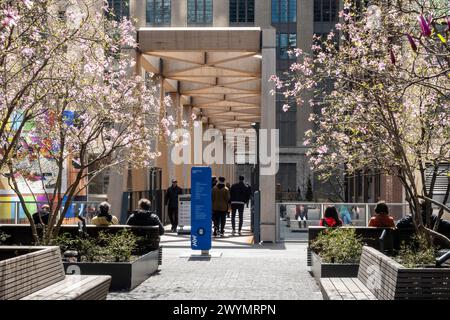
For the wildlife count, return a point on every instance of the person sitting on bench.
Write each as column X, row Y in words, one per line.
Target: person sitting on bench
column 145, row 217
column 382, row 219
column 41, row 217
column 408, row 223
column 104, row 218
column 331, row 218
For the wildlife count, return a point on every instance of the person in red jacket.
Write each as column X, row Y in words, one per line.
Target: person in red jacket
column 382, row 219
column 331, row 218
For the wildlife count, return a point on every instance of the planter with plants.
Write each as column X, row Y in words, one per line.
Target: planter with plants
column 336, row 253
column 122, row 255
column 413, row 272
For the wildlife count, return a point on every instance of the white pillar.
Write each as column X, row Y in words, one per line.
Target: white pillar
column 220, row 13
column 263, row 11
column 268, row 121
column 138, row 11
column 179, row 13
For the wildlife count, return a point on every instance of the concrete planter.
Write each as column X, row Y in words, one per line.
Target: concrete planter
column 321, row 269
column 125, row 275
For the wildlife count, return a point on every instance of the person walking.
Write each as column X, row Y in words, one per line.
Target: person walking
column 239, row 196
column 220, row 199
column 172, row 203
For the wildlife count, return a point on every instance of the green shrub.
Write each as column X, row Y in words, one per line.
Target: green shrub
column 340, row 245
column 416, row 253
column 117, row 247
column 3, row 237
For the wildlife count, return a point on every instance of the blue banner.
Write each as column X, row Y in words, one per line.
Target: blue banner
column 201, row 208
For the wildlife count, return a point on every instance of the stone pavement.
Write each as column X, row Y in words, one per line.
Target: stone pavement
column 261, row 272
column 245, row 271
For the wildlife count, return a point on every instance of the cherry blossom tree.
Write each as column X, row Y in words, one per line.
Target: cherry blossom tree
column 380, row 92
column 70, row 96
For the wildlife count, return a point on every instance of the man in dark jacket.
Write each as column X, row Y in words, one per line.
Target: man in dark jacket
column 239, row 196
column 408, row 223
column 220, row 200
column 172, row 203
column 144, row 217
column 42, row 215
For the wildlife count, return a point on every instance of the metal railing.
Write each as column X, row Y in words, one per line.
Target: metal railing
column 12, row 212
column 294, row 218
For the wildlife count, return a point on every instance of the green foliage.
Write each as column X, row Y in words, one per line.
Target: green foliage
column 117, row 247
column 3, row 237
column 340, row 245
column 417, row 253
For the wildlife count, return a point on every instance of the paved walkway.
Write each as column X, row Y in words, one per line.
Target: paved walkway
column 243, row 272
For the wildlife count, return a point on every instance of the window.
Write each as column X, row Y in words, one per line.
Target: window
column 158, row 12
column 325, row 10
column 284, row 11
column 119, row 9
column 285, row 42
column 200, row 12
column 286, row 121
column 242, row 11
column 287, row 124
column 287, row 177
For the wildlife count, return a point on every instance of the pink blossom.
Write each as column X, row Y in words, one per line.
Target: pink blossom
column 28, row 3
column 322, row 149
column 11, row 17
column 285, row 107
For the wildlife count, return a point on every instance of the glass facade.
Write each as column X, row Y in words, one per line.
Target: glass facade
column 242, row 11
column 200, row 12
column 285, row 42
column 326, row 10
column 119, row 9
column 158, row 12
column 284, row 11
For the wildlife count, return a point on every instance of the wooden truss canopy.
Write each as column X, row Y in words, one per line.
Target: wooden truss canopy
column 217, row 70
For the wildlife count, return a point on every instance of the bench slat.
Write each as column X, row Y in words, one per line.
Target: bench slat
column 357, row 291
column 329, row 290
column 74, row 287
column 342, row 288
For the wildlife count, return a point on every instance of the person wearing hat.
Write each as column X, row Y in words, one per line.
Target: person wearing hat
column 172, row 203
column 239, row 196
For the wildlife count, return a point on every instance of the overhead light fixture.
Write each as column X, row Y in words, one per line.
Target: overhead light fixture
column 258, row 56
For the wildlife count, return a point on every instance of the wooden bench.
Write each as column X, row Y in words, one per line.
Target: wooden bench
column 37, row 273
column 345, row 289
column 74, row 287
column 380, row 277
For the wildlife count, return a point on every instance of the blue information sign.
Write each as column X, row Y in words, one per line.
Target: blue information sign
column 201, row 208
